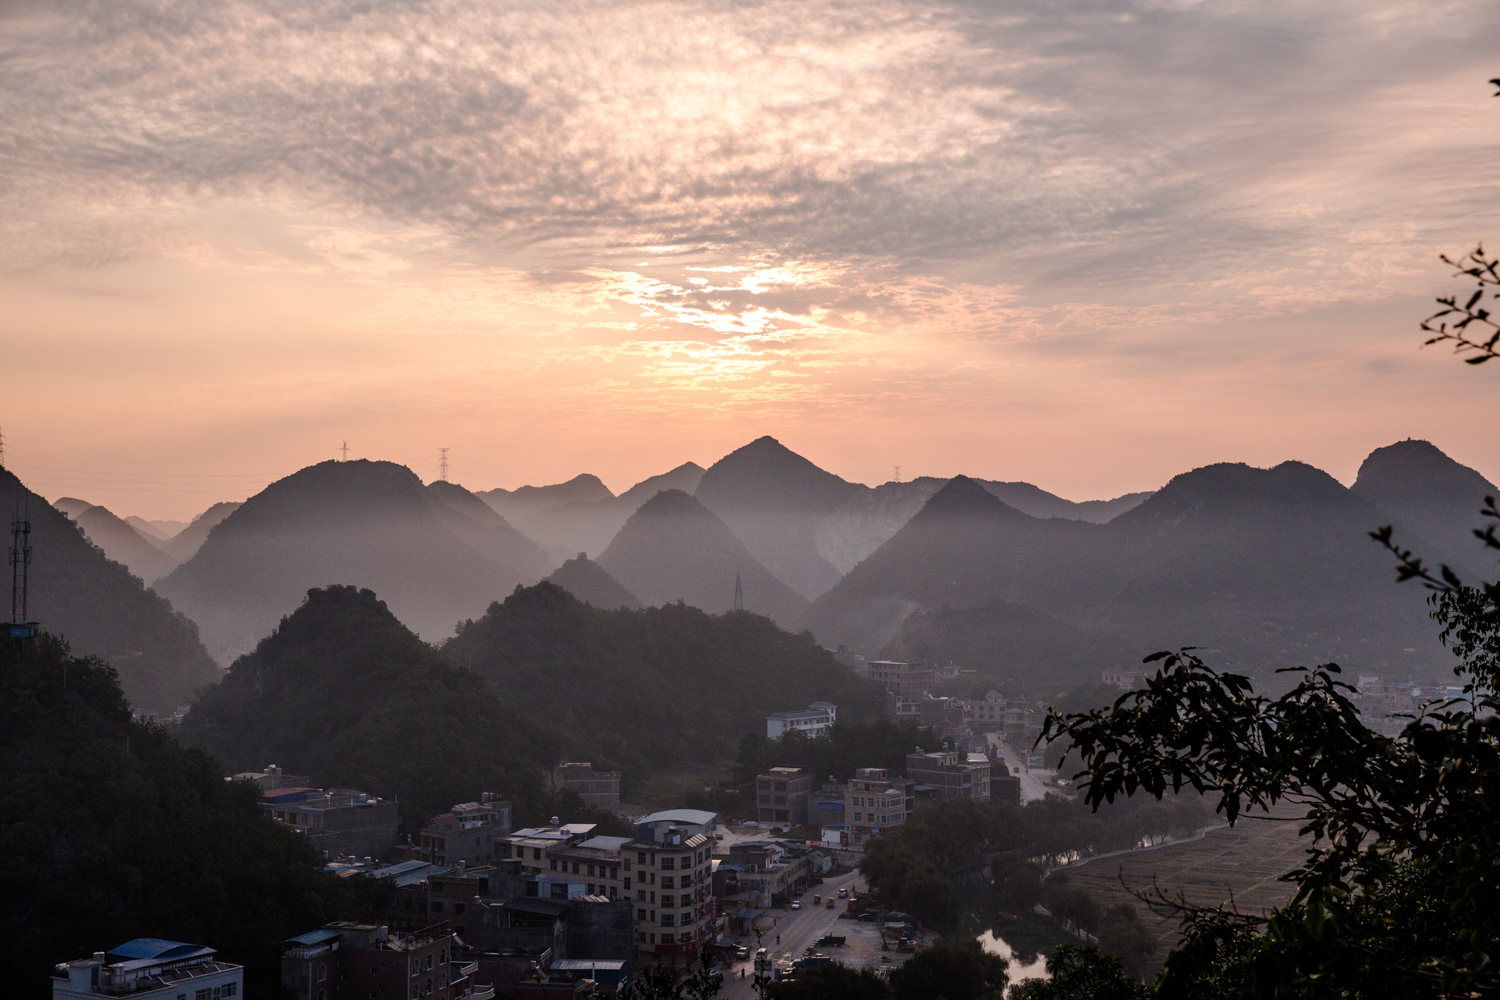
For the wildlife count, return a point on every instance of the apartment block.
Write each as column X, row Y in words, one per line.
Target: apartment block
column 814, row 720
column 950, row 775
column 670, row 875
column 782, row 794
column 874, row 802
column 149, row 969
column 598, row 789
column 338, row 822
column 466, row 834
column 349, row 961
column 908, row 680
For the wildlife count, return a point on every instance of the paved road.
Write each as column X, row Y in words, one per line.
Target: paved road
column 1031, row 782
column 797, row 929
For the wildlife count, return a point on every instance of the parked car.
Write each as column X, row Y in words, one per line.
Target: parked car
column 796, row 904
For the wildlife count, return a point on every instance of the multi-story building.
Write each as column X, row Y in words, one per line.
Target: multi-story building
column 874, row 802
column 598, row 789
column 530, row 846
column 596, row 863
column 669, row 872
column 467, row 834
column 347, row 961
column 909, row 680
column 149, row 969
column 950, row 774
column 988, row 713
column 338, row 822
column 781, row 795
column 814, row 720
column 453, row 896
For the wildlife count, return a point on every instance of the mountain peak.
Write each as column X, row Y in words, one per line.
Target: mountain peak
column 1415, row 471
column 965, row 497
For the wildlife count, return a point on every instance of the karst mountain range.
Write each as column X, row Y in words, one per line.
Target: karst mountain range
column 1264, row 568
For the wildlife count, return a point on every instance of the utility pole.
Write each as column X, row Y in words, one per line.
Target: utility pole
column 345, row 450
column 443, row 464
column 739, row 593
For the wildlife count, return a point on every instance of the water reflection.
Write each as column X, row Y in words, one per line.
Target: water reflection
column 1036, row 969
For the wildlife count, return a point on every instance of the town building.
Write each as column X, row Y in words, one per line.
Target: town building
column 781, row 795
column 149, row 969
column 988, row 713
column 874, row 802
column 1123, row 678
column 668, row 868
column 454, row 896
column 530, row 846
column 598, row 789
column 466, row 834
column 950, row 774
column 814, row 720
column 273, row 777
column 595, row 863
column 349, row 961
column 338, row 822
column 908, row 680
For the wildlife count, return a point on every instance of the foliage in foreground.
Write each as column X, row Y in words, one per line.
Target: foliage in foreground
column 112, row 831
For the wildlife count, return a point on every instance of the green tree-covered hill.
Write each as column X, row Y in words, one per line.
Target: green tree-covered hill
column 344, row 693
column 110, row 830
column 641, row 689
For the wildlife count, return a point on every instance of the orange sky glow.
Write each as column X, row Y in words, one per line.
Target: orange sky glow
column 1085, row 245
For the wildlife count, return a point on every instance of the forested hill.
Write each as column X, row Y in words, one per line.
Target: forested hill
column 95, row 603
column 344, row 693
column 642, row 689
column 113, row 831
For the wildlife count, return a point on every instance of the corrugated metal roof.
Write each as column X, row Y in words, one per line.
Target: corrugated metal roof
column 313, row 937
column 155, row 948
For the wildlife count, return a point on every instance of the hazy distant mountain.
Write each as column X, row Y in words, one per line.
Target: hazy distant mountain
column 1270, row 567
column 520, row 502
column 637, row 689
column 588, row 581
column 156, row 531
column 488, row 534
column 346, row 694
column 867, row 520
column 371, row 524
column 674, row 548
column 77, row 592
column 126, row 544
column 72, row 506
column 589, row 525
column 1426, row 491
column 185, row 544
column 773, row 500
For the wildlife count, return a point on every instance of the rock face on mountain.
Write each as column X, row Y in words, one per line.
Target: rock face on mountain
column 343, row 692
column 773, row 500
column 125, row 544
column 156, row 531
column 78, row 593
column 185, row 544
column 1427, row 492
column 526, row 500
column 1269, row 567
column 589, row 525
column 587, row 581
column 371, row 524
column 674, row 548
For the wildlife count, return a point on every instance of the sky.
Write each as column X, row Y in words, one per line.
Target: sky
column 1088, row 245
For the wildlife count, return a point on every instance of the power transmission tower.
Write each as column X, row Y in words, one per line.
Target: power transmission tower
column 2, row 447
column 443, row 464
column 345, row 450
column 739, row 593
column 898, row 473
column 20, row 563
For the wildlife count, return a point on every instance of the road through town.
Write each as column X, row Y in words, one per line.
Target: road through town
column 797, row 929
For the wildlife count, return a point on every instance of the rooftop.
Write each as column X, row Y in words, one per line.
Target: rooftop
column 694, row 817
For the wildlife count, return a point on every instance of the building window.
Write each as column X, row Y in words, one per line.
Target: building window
column 536, row 854
column 640, row 857
column 575, row 868
column 666, row 920
column 667, row 863
column 554, row 864
column 666, row 882
column 202, row 995
column 230, row 989
column 591, row 871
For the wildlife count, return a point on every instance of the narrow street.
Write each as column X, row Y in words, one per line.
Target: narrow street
column 1032, row 787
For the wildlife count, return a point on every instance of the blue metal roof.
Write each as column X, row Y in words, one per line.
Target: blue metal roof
column 154, row 948
column 313, row 937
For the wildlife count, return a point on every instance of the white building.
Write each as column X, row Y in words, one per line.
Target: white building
column 149, row 969
column 813, row 720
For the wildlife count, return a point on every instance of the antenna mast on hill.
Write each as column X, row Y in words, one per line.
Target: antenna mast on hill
column 739, row 593
column 20, row 563
column 443, row 464
column 345, row 450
